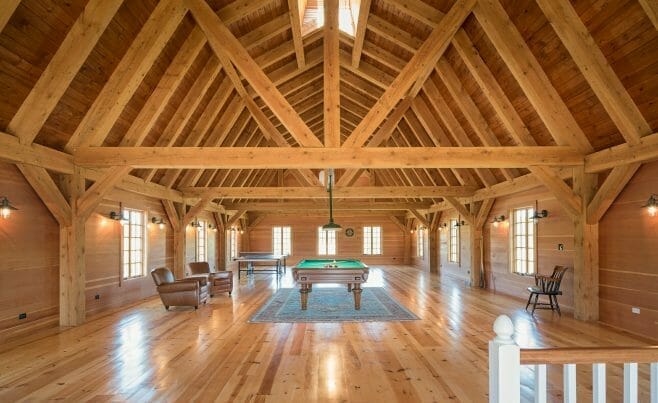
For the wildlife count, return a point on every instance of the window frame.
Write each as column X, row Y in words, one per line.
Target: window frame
column 369, row 240
column 420, row 242
column 126, row 232
column 530, row 235
column 282, row 229
column 232, row 241
column 454, row 241
column 328, row 236
column 202, row 228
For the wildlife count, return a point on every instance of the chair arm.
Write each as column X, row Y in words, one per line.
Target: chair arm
column 201, row 280
column 178, row 286
column 221, row 275
column 540, row 278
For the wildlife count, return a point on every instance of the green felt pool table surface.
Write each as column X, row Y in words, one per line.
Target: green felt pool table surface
column 321, row 263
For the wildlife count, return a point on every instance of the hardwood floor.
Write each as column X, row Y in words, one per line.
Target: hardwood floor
column 144, row 353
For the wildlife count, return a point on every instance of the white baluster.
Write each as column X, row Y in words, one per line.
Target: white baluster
column 630, row 382
column 504, row 364
column 598, row 383
column 570, row 383
column 540, row 383
column 654, row 382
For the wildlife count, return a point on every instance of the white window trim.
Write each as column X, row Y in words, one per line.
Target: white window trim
column 145, row 250
column 281, row 228
column 203, row 228
column 381, row 240
column 512, row 248
column 327, row 243
column 457, row 246
column 420, row 242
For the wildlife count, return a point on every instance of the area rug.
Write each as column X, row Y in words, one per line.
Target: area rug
column 332, row 305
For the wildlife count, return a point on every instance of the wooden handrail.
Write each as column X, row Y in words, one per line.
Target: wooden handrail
column 588, row 355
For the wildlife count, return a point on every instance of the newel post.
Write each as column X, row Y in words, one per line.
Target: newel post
column 504, row 364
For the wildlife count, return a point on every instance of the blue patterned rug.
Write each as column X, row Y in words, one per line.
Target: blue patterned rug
column 332, row 305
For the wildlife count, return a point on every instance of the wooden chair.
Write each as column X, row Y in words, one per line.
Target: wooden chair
column 547, row 285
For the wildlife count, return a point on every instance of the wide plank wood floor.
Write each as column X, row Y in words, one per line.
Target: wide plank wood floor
column 144, row 353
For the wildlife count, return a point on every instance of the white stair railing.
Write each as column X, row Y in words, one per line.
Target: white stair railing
column 506, row 359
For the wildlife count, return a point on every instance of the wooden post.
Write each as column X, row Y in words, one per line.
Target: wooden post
column 433, row 238
column 179, row 251
column 586, row 256
column 72, row 257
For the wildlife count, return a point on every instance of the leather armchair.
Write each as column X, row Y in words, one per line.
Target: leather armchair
column 186, row 292
column 218, row 281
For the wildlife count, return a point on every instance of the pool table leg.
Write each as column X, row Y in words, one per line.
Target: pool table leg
column 303, row 291
column 349, row 287
column 357, row 296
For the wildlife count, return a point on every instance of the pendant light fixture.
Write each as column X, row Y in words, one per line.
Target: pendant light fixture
column 331, row 225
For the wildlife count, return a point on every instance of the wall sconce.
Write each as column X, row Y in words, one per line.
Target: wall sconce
column 497, row 220
column 195, row 224
column 539, row 215
column 241, row 231
column 159, row 221
column 121, row 216
column 412, row 231
column 651, row 206
column 212, row 228
column 5, row 207
column 460, row 223
column 443, row 226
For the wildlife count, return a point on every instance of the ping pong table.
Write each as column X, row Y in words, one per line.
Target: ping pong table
column 252, row 258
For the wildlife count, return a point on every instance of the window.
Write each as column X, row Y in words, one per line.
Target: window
column 372, row 240
column 133, row 244
column 420, row 242
column 348, row 16
column 453, row 246
column 326, row 242
column 232, row 247
column 281, row 241
column 201, row 242
column 523, row 241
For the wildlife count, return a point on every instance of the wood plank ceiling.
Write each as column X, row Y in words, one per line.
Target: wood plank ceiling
column 222, row 73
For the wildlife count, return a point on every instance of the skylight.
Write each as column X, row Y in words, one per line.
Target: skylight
column 314, row 15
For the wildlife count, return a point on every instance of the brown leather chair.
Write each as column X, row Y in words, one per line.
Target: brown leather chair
column 219, row 281
column 185, row 292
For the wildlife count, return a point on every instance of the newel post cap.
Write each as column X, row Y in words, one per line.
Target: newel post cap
column 504, row 329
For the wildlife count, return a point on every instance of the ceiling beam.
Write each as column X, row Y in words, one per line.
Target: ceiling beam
column 296, row 157
column 312, row 206
column 6, row 11
column 530, row 76
column 423, row 61
column 296, row 16
column 596, row 69
column 319, row 192
column 609, row 190
column 651, row 9
column 645, row 150
column 65, row 64
column 331, row 62
column 360, row 34
column 224, row 43
column 128, row 75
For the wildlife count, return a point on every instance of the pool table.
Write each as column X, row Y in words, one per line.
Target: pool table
column 342, row 271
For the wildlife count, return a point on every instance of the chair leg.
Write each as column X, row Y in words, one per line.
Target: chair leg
column 529, row 299
column 550, row 301
column 167, row 307
column 557, row 306
column 534, row 306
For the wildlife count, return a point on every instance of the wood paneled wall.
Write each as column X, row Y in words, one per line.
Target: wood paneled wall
column 304, row 237
column 628, row 239
column 29, row 255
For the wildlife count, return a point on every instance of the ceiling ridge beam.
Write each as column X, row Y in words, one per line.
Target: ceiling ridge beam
column 331, row 74
column 296, row 18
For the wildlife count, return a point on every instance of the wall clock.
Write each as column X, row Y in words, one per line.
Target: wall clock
column 349, row 232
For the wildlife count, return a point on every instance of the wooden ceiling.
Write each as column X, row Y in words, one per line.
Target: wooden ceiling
column 497, row 78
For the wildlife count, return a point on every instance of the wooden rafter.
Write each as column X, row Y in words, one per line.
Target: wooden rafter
column 319, row 192
column 645, row 150
column 312, row 206
column 596, row 69
column 128, row 75
column 56, row 78
column 360, row 34
column 223, row 42
column 423, row 60
column 331, row 64
column 296, row 16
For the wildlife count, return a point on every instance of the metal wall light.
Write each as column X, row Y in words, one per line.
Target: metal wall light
column 196, row 224
column 121, row 216
column 497, row 220
column 539, row 215
column 5, row 207
column 652, row 205
column 159, row 221
column 460, row 223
